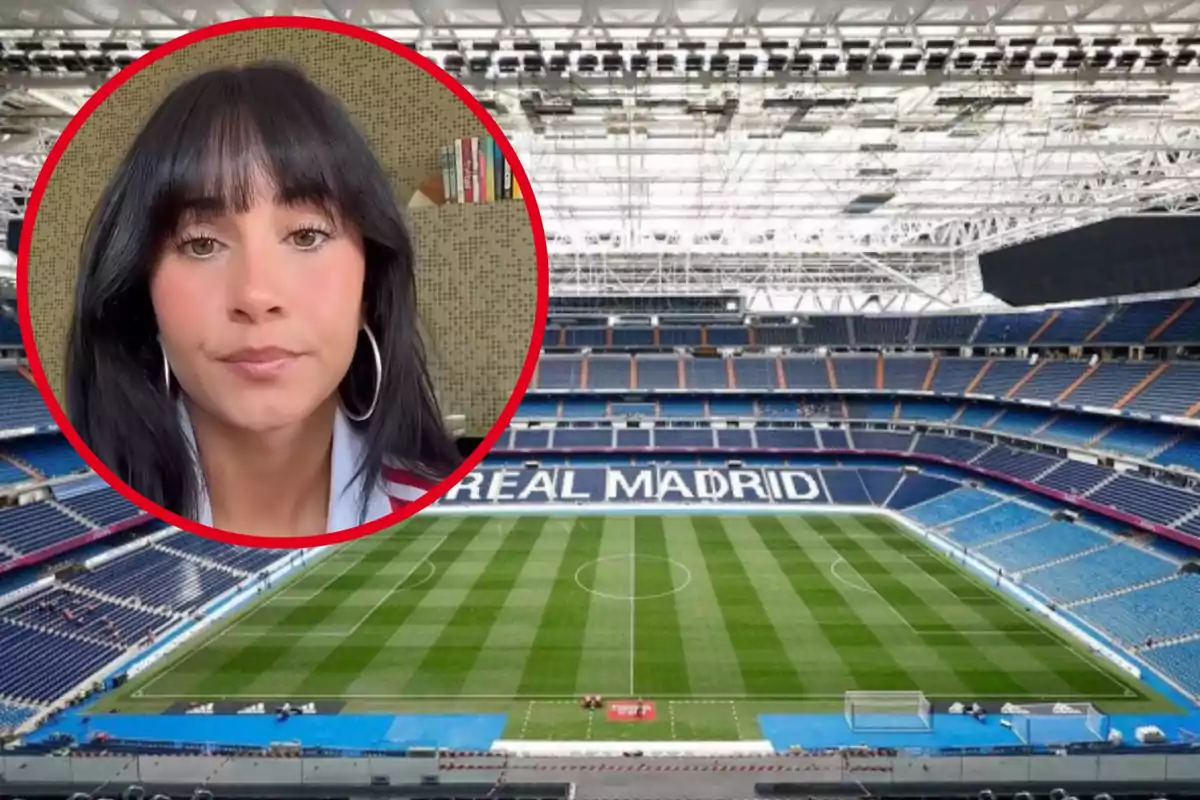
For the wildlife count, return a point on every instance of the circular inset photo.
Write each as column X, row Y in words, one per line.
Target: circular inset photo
column 282, row 282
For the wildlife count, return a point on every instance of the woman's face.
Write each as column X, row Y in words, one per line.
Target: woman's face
column 259, row 312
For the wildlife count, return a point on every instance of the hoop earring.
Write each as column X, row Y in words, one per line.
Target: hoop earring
column 166, row 369
column 378, row 380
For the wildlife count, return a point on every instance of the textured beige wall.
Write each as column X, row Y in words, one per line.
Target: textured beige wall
column 477, row 268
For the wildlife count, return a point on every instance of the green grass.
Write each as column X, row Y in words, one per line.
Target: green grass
column 734, row 616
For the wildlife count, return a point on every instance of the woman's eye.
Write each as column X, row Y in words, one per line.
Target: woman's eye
column 200, row 247
column 307, row 239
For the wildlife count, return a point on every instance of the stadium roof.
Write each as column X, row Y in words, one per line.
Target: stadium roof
column 810, row 151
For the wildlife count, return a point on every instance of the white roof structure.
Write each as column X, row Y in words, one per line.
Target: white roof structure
column 811, row 153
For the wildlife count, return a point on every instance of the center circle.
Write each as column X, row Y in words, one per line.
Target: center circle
column 681, row 576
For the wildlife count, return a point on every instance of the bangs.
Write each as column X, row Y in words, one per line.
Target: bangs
column 226, row 137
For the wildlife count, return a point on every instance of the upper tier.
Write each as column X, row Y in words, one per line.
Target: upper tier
column 1168, row 390
column 1153, row 322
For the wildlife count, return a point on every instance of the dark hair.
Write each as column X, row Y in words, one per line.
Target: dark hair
column 202, row 147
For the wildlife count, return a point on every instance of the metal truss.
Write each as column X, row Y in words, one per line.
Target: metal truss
column 812, row 153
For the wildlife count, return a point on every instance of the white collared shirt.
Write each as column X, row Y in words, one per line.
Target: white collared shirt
column 345, row 489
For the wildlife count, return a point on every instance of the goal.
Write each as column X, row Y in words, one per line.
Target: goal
column 888, row 711
column 1056, row 723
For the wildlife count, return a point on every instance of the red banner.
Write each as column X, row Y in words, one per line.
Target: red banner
column 631, row 711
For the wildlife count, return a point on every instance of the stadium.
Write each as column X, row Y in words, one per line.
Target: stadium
column 862, row 458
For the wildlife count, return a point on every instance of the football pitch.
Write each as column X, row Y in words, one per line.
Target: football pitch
column 714, row 618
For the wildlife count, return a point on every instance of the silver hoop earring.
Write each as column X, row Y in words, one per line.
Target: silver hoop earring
column 166, row 369
column 378, row 380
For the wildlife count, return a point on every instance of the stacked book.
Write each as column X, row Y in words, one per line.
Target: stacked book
column 474, row 171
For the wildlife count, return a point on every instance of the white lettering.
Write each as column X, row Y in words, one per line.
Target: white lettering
column 568, row 487
column 502, row 479
column 792, row 492
column 541, row 483
column 743, row 480
column 616, row 484
column 670, row 480
column 711, row 484
column 470, row 484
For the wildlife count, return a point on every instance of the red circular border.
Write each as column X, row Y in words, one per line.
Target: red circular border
column 309, row 23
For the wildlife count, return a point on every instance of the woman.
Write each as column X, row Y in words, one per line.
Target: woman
column 245, row 349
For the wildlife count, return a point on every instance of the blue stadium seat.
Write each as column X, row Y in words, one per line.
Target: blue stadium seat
column 586, row 337
column 730, row 407
column 879, row 483
column 1074, row 429
column 905, row 373
column 608, row 372
column 855, row 372
column 682, row 407
column 1099, row 572
column 565, row 438
column 951, row 447
column 1148, row 500
column 658, row 372
column 755, row 372
column 1134, row 322
column 1017, row 463
column 560, row 372
column 1011, row 329
column 684, row 437
column 992, row 523
column 1051, row 379
column 1002, row 376
column 827, row 330
column 882, row 330
column 801, row 372
column 930, row 410
column 954, row 375
column 1136, row 440
column 945, row 329
column 1170, row 394
column 1041, row 545
column 728, row 335
column 1185, row 453
column 583, row 407
column 628, row 336
column 32, row 527
column 679, row 336
column 1109, row 383
column 705, row 373
column 1074, row 324
column 918, row 489
column 787, row 438
column 1019, row 421
column 951, row 506
column 20, row 404
column 247, row 559
column 633, row 437
column 882, row 440
column 845, row 487
column 1075, row 478
column 1181, row 661
column 537, row 408
column 776, row 335
column 1162, row 611
column 1185, row 329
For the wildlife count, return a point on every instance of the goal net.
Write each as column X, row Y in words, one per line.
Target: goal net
column 888, row 711
column 1056, row 723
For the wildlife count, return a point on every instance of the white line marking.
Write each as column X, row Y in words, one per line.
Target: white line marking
column 561, row 698
column 632, row 602
column 305, row 598
column 833, row 571
column 528, row 714
column 393, row 590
